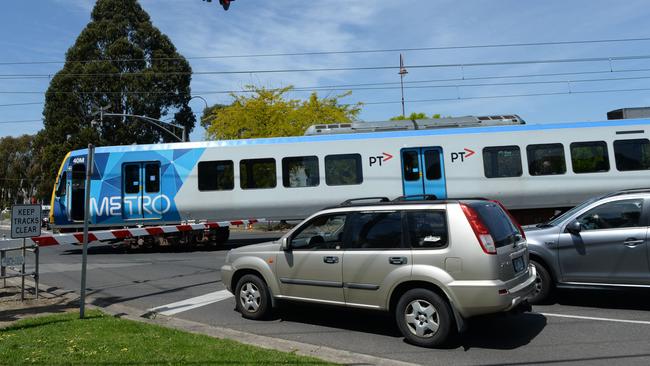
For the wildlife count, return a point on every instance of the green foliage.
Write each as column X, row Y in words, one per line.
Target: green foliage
column 413, row 116
column 18, row 178
column 266, row 113
column 64, row 339
column 116, row 60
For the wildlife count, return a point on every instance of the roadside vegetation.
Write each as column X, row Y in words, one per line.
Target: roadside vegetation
column 104, row 339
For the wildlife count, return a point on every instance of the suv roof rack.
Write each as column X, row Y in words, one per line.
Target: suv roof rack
column 349, row 202
column 422, row 197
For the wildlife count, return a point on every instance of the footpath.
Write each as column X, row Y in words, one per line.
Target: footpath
column 55, row 301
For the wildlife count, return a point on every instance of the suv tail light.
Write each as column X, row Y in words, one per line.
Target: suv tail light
column 514, row 221
column 480, row 230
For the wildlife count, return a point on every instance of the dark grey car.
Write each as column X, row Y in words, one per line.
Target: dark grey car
column 600, row 243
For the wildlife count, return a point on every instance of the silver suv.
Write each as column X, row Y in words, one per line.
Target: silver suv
column 599, row 243
column 431, row 263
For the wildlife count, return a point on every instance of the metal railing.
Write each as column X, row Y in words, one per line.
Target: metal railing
column 15, row 266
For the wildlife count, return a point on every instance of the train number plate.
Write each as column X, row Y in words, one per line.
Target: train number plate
column 519, row 264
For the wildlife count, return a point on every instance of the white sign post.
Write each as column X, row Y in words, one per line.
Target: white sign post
column 25, row 223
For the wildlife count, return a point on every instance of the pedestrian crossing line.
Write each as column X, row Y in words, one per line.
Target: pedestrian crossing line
column 192, row 303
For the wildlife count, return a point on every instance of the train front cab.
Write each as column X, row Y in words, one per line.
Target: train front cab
column 423, row 172
column 69, row 193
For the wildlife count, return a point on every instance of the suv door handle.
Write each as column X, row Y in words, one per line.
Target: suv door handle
column 397, row 260
column 330, row 259
column 632, row 242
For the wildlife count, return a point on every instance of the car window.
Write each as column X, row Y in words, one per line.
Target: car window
column 322, row 232
column 503, row 231
column 427, row 229
column 375, row 230
column 613, row 215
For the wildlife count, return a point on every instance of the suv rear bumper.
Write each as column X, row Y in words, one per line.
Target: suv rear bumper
column 473, row 298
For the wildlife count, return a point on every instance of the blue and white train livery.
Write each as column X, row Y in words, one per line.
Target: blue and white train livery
column 527, row 167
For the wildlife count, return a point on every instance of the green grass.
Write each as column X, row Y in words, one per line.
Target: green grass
column 106, row 340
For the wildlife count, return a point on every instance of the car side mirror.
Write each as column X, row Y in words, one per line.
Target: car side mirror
column 285, row 244
column 574, row 227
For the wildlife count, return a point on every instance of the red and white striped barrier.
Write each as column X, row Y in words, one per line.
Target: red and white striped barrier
column 105, row 235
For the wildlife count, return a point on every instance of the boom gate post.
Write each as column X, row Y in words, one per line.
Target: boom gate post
column 89, row 172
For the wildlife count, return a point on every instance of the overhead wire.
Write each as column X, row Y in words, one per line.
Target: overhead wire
column 343, row 52
column 509, row 96
column 355, row 87
column 353, row 68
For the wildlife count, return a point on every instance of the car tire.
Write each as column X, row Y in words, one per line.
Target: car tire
column 543, row 285
column 252, row 297
column 424, row 318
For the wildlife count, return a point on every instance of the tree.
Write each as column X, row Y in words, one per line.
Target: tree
column 120, row 59
column 266, row 113
column 414, row 116
column 17, row 184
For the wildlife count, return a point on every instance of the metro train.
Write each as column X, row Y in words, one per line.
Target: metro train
column 529, row 168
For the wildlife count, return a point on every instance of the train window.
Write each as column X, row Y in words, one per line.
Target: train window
column 344, row 169
column 257, row 173
column 152, row 177
column 546, row 159
column 589, row 157
column 432, row 163
column 60, row 191
column 632, row 154
column 411, row 165
column 216, row 175
column 132, row 178
column 300, row 171
column 502, row 161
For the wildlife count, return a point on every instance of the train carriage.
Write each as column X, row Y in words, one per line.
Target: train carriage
column 532, row 169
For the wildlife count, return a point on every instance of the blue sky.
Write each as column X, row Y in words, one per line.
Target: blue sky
column 43, row 30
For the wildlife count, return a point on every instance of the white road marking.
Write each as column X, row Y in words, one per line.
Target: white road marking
column 595, row 318
column 189, row 304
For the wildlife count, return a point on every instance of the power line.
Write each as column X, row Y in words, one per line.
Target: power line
column 343, row 52
column 22, row 121
column 509, row 96
column 364, row 87
column 20, row 104
column 355, row 68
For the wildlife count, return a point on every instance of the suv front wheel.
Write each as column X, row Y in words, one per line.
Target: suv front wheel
column 424, row 318
column 543, row 285
column 253, row 300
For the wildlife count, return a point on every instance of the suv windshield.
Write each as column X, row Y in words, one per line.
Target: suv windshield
column 501, row 228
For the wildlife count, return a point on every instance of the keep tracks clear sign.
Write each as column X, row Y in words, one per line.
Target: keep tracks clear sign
column 25, row 221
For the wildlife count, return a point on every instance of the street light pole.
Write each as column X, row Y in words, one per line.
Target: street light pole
column 156, row 122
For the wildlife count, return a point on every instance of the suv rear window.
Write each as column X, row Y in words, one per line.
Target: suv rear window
column 503, row 231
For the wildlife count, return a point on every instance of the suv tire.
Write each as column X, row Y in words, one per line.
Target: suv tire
column 252, row 297
column 424, row 318
column 543, row 284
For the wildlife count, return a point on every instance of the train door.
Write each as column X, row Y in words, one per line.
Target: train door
column 77, row 192
column 423, row 172
column 141, row 191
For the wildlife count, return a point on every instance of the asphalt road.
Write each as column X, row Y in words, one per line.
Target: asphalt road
column 582, row 328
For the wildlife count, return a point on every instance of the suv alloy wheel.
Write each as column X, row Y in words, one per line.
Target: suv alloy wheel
column 423, row 317
column 543, row 284
column 253, row 300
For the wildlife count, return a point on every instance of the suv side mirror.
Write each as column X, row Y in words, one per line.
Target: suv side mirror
column 285, row 245
column 574, row 227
